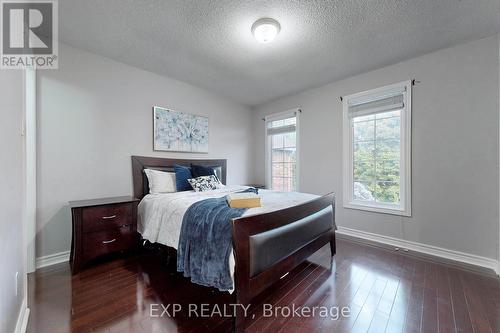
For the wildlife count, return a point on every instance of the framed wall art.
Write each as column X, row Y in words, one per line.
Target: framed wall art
column 178, row 131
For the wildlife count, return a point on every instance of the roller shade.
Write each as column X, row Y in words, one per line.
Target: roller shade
column 281, row 129
column 360, row 107
column 281, row 123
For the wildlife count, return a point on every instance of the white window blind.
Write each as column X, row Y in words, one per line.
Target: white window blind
column 281, row 123
column 281, row 129
column 384, row 104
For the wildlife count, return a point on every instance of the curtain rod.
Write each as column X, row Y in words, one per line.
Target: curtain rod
column 413, row 82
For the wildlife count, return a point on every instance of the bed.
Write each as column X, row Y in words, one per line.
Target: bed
column 267, row 242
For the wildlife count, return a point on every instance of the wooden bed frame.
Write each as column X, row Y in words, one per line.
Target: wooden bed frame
column 266, row 246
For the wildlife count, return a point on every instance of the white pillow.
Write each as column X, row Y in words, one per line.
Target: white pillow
column 160, row 181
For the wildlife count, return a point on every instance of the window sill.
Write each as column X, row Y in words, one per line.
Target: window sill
column 378, row 209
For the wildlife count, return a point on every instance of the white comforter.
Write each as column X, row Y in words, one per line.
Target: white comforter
column 160, row 215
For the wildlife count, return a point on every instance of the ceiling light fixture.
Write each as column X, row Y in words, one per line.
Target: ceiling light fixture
column 265, row 30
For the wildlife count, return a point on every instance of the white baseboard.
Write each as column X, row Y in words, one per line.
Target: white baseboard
column 52, row 259
column 424, row 248
column 467, row 258
column 22, row 319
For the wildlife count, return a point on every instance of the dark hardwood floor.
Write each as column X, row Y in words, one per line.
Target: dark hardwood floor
column 385, row 292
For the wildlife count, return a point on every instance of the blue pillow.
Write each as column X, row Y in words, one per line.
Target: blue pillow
column 200, row 170
column 182, row 174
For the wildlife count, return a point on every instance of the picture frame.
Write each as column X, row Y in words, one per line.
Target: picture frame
column 177, row 131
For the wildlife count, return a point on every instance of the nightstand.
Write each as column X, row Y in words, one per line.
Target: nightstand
column 102, row 226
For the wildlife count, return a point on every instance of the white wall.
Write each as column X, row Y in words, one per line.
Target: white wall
column 11, row 198
column 455, row 147
column 94, row 113
column 498, row 207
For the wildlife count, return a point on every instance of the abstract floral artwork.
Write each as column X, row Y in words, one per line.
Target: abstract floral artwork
column 177, row 131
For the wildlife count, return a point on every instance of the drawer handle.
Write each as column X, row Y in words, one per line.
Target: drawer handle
column 108, row 217
column 109, row 241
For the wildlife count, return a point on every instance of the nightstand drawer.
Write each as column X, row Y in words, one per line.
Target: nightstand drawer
column 106, row 217
column 107, row 241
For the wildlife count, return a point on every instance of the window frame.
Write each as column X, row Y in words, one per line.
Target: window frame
column 404, row 208
column 280, row 116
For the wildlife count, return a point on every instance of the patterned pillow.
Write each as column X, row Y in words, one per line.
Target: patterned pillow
column 205, row 183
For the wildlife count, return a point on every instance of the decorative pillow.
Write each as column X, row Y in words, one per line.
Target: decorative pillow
column 200, row 170
column 160, row 181
column 182, row 174
column 205, row 183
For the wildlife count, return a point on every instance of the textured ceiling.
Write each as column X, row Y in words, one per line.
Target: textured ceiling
column 209, row 43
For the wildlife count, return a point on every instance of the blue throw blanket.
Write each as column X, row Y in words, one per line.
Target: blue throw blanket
column 206, row 242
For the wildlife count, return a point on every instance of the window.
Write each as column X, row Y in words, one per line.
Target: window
column 281, row 151
column 377, row 150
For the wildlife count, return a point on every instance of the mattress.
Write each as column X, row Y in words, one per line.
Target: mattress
column 160, row 215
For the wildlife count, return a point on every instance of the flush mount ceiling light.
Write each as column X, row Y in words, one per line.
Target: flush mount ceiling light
column 265, row 30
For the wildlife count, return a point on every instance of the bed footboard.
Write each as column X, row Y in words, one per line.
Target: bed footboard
column 268, row 246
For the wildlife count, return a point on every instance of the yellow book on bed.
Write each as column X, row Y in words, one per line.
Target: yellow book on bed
column 243, row 200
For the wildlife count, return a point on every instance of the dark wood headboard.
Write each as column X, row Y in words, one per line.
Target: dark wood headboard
column 139, row 163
